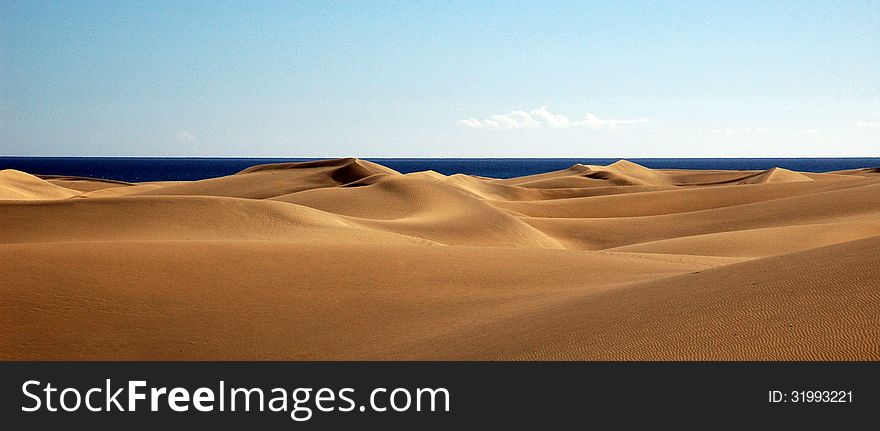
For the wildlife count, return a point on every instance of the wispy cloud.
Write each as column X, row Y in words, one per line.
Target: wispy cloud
column 542, row 118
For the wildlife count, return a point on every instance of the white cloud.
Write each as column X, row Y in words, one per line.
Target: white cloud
column 552, row 120
column 540, row 118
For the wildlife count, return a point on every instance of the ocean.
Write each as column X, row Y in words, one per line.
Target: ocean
column 134, row 169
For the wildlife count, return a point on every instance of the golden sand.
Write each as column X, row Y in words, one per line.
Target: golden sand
column 347, row 259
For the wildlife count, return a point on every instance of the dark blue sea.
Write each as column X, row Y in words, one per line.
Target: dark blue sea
column 136, row 169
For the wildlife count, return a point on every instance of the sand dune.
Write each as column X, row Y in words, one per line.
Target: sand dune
column 860, row 172
column 266, row 181
column 347, row 259
column 180, row 218
column 799, row 306
column 775, row 175
column 754, row 242
column 17, row 185
column 678, row 200
column 854, row 203
column 621, row 173
column 275, row 299
column 426, row 209
column 83, row 184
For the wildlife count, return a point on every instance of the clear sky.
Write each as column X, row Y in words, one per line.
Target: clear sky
column 440, row 78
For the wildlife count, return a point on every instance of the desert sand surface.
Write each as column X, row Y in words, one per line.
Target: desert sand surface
column 345, row 259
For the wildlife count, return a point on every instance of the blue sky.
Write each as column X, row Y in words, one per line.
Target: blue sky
column 440, row 79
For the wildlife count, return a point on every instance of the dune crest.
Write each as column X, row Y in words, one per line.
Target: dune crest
column 619, row 173
column 625, row 171
column 273, row 180
column 344, row 170
column 17, row 185
column 775, row 175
